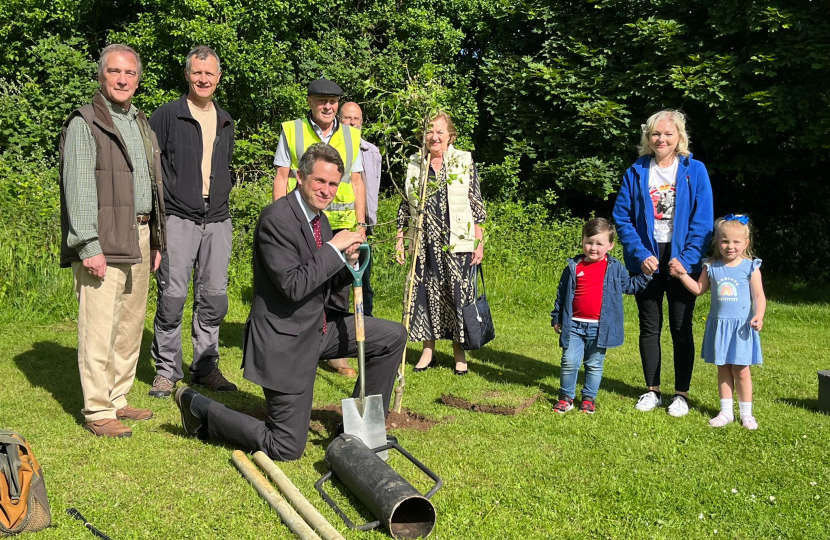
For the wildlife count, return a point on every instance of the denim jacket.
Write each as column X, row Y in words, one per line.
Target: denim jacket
column 617, row 282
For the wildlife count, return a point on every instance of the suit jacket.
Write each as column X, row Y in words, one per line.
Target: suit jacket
column 293, row 282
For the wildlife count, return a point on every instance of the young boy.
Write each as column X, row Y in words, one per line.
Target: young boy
column 588, row 313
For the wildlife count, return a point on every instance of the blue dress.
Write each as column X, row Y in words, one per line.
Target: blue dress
column 729, row 339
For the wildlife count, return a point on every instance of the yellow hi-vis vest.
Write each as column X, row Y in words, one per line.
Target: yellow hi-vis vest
column 300, row 135
column 459, row 165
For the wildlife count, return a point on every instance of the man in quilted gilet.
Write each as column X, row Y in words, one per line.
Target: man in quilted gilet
column 112, row 236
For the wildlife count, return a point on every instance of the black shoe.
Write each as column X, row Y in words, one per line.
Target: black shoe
column 460, row 371
column 194, row 419
column 431, row 364
column 214, row 381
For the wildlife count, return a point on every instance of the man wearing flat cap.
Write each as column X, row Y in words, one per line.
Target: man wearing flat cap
column 348, row 209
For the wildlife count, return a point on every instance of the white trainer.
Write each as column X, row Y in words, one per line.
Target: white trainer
column 721, row 420
column 678, row 407
column 648, row 401
column 749, row 422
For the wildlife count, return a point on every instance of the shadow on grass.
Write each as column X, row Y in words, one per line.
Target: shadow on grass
column 786, row 291
column 230, row 335
column 54, row 368
column 806, row 404
column 145, row 371
column 347, row 501
column 520, row 369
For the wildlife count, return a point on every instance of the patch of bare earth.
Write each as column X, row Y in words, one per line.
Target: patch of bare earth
column 461, row 403
column 325, row 419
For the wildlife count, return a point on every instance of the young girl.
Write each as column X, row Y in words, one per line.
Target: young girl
column 731, row 340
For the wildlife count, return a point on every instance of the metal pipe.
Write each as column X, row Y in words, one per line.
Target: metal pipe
column 297, row 499
column 398, row 506
column 287, row 514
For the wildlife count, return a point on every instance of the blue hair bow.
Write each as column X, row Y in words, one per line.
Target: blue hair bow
column 743, row 218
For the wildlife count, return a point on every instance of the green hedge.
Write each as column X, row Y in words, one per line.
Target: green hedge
column 524, row 253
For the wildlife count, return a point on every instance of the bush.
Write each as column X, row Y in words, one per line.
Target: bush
column 247, row 200
column 32, row 285
column 35, row 104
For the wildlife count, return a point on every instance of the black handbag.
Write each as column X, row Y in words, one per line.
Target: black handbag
column 478, row 322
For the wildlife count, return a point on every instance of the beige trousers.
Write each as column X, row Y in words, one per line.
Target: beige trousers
column 110, row 326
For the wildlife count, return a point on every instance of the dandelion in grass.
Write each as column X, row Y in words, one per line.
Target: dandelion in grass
column 734, row 490
column 772, row 498
column 812, row 483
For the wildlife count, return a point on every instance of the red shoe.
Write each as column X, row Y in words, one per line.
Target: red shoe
column 564, row 405
column 587, row 406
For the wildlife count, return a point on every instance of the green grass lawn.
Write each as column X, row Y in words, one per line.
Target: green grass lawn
column 616, row 474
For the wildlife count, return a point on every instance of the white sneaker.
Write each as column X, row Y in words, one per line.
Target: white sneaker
column 721, row 420
column 648, row 401
column 749, row 422
column 678, row 407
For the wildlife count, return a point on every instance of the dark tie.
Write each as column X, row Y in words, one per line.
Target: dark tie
column 318, row 237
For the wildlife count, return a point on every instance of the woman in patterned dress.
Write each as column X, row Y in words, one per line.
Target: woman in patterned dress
column 450, row 243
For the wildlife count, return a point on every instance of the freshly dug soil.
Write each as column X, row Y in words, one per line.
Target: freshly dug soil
column 325, row 419
column 461, row 403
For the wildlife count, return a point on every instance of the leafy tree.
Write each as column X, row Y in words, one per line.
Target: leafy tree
column 566, row 84
column 550, row 94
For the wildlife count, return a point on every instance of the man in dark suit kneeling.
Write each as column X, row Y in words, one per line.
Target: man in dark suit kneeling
column 298, row 265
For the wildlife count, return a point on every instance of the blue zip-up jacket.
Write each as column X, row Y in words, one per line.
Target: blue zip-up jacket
column 616, row 283
column 693, row 215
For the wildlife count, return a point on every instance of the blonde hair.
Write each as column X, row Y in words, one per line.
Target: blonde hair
column 721, row 224
column 677, row 118
column 450, row 126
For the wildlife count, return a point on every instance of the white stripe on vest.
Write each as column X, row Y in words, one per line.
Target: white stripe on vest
column 459, row 166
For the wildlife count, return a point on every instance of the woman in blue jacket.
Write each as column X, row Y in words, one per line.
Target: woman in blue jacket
column 664, row 220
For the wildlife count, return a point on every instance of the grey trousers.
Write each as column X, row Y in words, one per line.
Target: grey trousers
column 205, row 251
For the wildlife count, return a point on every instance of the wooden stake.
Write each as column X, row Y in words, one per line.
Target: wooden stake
column 296, row 498
column 411, row 283
column 287, row 514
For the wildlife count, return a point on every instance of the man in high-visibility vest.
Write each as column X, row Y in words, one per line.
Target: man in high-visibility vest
column 348, row 209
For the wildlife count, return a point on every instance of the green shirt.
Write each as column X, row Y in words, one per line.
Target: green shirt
column 80, row 187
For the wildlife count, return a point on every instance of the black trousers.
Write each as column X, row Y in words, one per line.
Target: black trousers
column 681, row 308
column 283, row 437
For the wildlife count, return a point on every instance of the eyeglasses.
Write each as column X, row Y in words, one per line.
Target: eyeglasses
column 742, row 218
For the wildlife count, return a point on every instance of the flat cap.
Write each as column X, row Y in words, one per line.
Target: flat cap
column 324, row 87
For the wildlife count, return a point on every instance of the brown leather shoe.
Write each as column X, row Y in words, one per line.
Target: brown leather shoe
column 131, row 413
column 108, row 427
column 341, row 366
